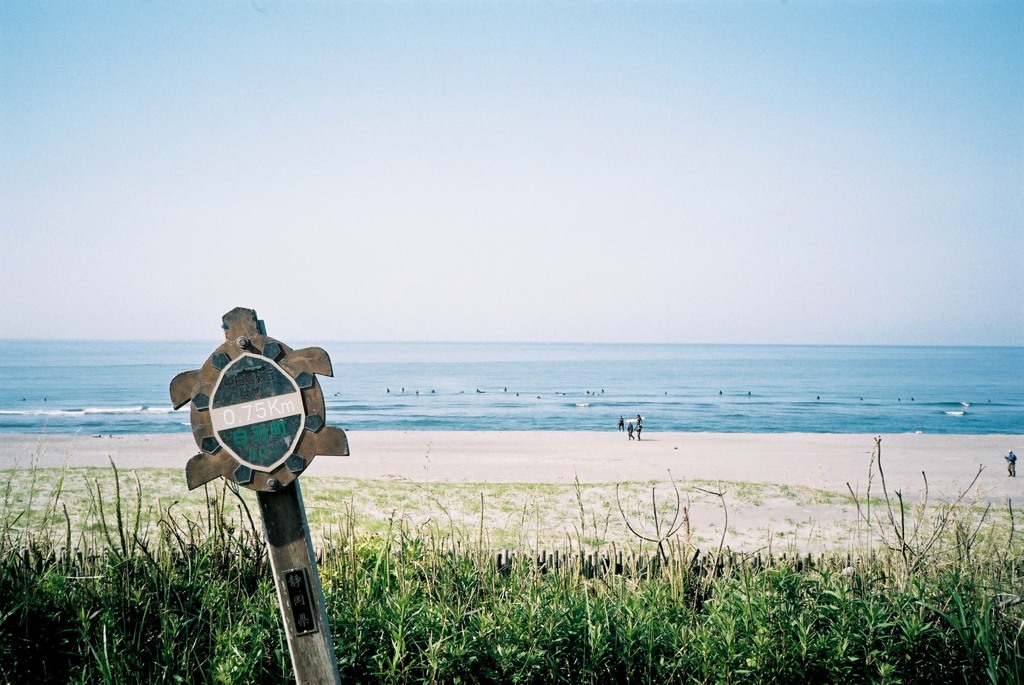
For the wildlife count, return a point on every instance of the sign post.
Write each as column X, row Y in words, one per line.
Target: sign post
column 258, row 417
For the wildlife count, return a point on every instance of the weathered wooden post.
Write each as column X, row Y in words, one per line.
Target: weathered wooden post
column 258, row 417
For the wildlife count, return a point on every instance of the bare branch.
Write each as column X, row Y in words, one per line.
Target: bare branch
column 725, row 527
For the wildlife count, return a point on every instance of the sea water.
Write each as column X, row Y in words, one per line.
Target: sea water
column 118, row 387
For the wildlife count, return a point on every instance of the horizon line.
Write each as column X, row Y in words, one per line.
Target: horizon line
column 531, row 342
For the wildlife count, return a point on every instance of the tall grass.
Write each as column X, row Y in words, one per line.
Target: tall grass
column 163, row 596
column 176, row 600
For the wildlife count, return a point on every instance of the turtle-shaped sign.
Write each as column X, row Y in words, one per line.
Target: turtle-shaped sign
column 257, row 408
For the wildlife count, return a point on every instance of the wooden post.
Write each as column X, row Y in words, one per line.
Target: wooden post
column 299, row 594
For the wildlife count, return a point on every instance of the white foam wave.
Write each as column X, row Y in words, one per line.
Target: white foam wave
column 88, row 410
column 954, row 413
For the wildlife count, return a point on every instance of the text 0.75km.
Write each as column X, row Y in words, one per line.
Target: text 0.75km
column 247, row 413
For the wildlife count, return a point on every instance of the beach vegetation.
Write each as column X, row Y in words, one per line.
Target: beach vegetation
column 101, row 583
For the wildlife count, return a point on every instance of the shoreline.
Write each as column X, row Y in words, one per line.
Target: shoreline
column 820, row 460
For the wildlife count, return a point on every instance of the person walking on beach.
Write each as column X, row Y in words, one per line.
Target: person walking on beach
column 639, row 427
column 629, row 430
column 622, row 423
column 1011, row 464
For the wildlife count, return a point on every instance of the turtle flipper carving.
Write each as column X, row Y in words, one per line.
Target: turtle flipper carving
column 203, row 468
column 308, row 359
column 329, row 441
column 258, row 412
column 184, row 387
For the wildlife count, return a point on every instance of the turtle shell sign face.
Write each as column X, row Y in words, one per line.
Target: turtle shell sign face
column 257, row 412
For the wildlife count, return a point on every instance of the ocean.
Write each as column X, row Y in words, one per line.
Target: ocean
column 121, row 387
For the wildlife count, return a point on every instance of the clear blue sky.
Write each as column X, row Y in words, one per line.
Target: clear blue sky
column 669, row 172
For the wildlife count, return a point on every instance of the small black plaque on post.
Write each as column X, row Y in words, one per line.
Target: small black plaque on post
column 301, row 601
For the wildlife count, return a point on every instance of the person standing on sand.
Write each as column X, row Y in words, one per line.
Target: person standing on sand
column 1011, row 464
column 622, row 423
column 639, row 427
column 629, row 430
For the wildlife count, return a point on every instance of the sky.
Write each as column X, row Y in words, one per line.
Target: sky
column 691, row 172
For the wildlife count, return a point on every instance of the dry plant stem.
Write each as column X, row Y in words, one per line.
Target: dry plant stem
column 968, row 543
column 915, row 555
column 673, row 529
column 725, row 527
column 1009, row 539
column 903, row 520
column 860, row 516
column 67, row 520
column 888, row 503
column 657, row 521
column 481, row 538
column 675, row 521
column 944, row 521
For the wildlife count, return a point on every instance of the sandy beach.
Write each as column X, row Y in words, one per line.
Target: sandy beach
column 789, row 489
column 822, row 461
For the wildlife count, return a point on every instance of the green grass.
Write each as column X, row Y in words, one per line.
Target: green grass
column 103, row 581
